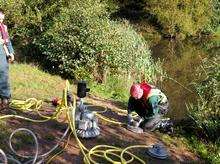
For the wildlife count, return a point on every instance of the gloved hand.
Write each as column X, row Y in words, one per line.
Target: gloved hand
column 134, row 127
column 134, row 124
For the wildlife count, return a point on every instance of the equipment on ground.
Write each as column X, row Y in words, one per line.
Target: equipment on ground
column 134, row 127
column 166, row 126
column 86, row 121
column 82, row 89
column 105, row 152
column 158, row 151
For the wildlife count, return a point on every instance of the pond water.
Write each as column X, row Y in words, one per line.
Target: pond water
column 180, row 59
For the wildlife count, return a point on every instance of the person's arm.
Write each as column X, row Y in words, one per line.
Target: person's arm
column 9, row 46
column 10, row 50
column 6, row 50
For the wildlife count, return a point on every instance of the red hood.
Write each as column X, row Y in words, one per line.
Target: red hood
column 146, row 88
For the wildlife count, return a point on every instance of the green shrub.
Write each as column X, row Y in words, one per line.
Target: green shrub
column 28, row 19
column 182, row 17
column 206, row 113
column 83, row 38
column 116, row 87
column 175, row 18
column 78, row 40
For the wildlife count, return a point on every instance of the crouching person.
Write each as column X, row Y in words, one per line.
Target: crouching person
column 151, row 105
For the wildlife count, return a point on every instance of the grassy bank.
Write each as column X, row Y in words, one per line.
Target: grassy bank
column 208, row 152
column 29, row 81
column 218, row 32
column 115, row 88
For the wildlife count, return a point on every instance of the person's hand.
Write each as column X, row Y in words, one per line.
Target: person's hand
column 11, row 57
column 134, row 124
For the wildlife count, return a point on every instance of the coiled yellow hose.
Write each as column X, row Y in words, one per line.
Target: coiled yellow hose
column 98, row 151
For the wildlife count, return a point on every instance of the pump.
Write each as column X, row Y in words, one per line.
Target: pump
column 86, row 121
column 82, row 89
column 158, row 151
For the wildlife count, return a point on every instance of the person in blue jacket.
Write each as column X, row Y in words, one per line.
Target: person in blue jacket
column 6, row 55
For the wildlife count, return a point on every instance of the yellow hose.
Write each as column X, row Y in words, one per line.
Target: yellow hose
column 27, row 105
column 95, row 151
column 108, row 120
column 98, row 151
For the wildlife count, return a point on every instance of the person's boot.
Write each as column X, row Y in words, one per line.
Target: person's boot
column 5, row 103
column 166, row 126
column 1, row 104
column 151, row 125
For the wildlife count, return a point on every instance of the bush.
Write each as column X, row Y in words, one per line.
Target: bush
column 28, row 19
column 175, row 18
column 182, row 17
column 83, row 41
column 208, row 151
column 116, row 88
column 206, row 113
column 77, row 38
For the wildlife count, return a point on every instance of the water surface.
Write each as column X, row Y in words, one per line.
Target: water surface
column 180, row 59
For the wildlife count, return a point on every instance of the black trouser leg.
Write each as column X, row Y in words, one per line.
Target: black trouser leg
column 152, row 123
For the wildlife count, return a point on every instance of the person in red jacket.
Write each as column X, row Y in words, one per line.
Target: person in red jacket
column 150, row 104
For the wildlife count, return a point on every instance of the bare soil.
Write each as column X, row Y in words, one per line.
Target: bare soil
column 49, row 132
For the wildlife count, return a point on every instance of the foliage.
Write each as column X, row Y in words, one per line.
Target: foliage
column 27, row 19
column 116, row 87
column 77, row 38
column 206, row 113
column 182, row 17
column 207, row 151
column 217, row 33
column 175, row 18
column 83, row 38
column 214, row 25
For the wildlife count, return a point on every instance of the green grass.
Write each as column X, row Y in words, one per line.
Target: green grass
column 29, row 81
column 115, row 88
column 217, row 33
column 208, row 152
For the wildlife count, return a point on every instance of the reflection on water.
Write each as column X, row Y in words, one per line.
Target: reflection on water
column 179, row 60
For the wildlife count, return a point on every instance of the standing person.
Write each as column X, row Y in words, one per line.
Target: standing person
column 6, row 52
column 150, row 104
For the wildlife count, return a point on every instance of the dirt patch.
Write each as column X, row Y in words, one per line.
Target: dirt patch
column 49, row 133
